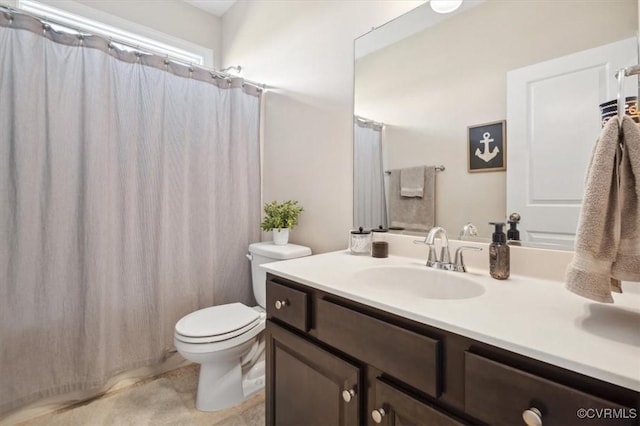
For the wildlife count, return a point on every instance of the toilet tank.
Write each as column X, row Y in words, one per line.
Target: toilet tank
column 266, row 252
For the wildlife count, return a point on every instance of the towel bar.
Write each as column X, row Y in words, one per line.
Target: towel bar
column 438, row 169
column 620, row 75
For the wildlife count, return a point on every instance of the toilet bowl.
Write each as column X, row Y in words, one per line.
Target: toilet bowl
column 227, row 340
column 218, row 338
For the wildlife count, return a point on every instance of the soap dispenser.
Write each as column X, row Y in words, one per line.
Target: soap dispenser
column 499, row 253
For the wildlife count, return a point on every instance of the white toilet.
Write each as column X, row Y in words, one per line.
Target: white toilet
column 227, row 340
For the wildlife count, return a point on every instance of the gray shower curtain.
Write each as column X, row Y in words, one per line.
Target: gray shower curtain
column 129, row 191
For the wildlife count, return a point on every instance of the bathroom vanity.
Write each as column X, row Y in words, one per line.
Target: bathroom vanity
column 348, row 345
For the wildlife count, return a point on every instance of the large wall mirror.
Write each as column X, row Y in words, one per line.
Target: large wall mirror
column 429, row 86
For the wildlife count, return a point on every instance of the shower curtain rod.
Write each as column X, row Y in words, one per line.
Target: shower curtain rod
column 367, row 121
column 9, row 11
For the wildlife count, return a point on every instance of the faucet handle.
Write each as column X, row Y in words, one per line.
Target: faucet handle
column 458, row 265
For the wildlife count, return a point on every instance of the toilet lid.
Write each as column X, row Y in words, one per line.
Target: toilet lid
column 218, row 320
column 259, row 323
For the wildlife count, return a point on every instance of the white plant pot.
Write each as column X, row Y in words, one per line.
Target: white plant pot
column 281, row 237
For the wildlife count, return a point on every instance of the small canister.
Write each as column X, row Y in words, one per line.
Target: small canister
column 379, row 247
column 360, row 241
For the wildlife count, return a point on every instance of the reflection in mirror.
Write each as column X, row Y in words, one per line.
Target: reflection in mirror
column 368, row 178
column 542, row 66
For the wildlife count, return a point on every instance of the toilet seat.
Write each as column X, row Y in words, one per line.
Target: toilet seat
column 217, row 323
column 223, row 345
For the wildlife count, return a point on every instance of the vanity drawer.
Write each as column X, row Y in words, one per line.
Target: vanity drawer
column 499, row 394
column 288, row 305
column 400, row 353
column 395, row 407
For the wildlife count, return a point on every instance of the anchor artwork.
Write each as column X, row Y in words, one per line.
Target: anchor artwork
column 487, row 147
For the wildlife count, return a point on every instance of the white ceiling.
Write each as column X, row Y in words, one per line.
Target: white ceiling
column 214, row 7
column 412, row 22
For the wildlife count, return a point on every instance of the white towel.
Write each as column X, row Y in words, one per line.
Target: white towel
column 608, row 237
column 412, row 182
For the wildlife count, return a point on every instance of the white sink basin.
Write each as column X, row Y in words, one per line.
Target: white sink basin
column 420, row 281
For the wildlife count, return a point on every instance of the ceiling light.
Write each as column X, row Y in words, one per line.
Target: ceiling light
column 445, row 6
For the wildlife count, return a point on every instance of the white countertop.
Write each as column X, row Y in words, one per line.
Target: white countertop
column 533, row 317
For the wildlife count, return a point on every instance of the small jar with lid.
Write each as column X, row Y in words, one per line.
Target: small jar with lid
column 360, row 242
column 379, row 245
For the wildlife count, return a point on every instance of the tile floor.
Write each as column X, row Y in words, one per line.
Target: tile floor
column 185, row 382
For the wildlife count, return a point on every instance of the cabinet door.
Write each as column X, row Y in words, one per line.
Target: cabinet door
column 393, row 407
column 306, row 385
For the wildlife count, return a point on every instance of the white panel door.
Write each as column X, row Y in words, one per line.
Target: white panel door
column 553, row 122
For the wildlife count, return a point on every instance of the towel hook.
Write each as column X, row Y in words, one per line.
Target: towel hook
column 620, row 75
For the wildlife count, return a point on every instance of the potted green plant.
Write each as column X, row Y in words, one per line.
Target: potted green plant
column 280, row 218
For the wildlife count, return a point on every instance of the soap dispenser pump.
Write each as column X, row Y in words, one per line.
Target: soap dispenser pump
column 499, row 253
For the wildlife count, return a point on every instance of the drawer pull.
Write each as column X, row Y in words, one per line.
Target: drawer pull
column 348, row 394
column 281, row 304
column 377, row 415
column 532, row 417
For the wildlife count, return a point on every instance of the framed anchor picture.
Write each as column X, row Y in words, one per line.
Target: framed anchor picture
column 487, row 147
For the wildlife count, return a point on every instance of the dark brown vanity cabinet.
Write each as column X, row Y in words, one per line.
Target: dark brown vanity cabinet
column 332, row 361
column 308, row 385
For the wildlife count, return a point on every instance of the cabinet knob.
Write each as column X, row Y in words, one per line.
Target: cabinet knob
column 281, row 304
column 532, row 417
column 348, row 394
column 377, row 415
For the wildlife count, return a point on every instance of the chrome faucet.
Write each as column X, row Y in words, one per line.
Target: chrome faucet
column 430, row 240
column 444, row 260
